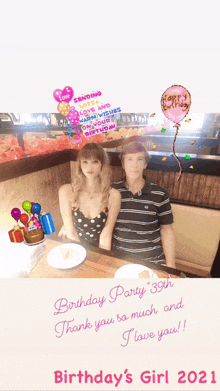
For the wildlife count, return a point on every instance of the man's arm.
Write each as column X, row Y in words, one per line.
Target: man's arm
column 168, row 243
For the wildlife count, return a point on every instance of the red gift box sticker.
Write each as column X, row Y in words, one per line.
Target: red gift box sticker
column 16, row 234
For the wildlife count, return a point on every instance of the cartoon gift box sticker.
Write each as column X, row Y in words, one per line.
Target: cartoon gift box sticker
column 46, row 223
column 17, row 234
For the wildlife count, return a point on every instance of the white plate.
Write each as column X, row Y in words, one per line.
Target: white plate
column 132, row 271
column 66, row 256
column 34, row 244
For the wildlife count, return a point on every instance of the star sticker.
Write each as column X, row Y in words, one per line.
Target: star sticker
column 191, row 167
column 188, row 120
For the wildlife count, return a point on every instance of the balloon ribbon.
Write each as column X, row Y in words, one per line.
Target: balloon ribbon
column 78, row 134
column 180, row 166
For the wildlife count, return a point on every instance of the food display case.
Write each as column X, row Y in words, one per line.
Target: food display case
column 197, row 144
column 199, row 134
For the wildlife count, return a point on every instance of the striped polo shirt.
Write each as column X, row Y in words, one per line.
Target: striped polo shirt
column 137, row 229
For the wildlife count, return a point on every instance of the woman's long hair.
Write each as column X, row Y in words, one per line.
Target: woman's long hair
column 92, row 151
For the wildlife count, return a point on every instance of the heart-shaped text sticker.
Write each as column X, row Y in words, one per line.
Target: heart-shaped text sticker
column 63, row 96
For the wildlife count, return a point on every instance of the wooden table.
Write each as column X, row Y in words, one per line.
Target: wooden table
column 98, row 264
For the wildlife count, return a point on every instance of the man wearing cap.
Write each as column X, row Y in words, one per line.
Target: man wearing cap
column 143, row 228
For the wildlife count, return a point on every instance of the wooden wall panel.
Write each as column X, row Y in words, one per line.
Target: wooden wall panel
column 192, row 189
column 41, row 187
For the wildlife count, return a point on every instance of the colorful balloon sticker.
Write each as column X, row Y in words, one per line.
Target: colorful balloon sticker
column 188, row 120
column 15, row 212
column 64, row 95
column 63, row 108
column 187, row 157
column 24, row 218
column 175, row 103
column 152, row 115
column 163, row 130
column 192, row 142
column 191, row 167
column 73, row 116
column 164, row 159
column 27, row 206
column 36, row 208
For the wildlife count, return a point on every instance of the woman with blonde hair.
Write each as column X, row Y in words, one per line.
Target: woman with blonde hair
column 89, row 206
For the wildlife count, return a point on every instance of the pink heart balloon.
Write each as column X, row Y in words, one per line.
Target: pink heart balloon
column 63, row 96
column 175, row 103
column 73, row 116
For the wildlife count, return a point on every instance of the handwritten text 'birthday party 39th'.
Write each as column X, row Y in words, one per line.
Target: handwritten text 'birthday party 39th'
column 115, row 295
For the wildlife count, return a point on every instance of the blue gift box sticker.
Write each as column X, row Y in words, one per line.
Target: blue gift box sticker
column 47, row 223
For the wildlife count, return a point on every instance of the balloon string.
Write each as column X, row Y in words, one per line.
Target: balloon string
column 180, row 166
column 78, row 135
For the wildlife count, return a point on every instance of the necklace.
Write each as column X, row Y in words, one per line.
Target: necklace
column 91, row 196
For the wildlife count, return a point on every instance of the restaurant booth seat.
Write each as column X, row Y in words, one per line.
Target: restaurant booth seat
column 197, row 232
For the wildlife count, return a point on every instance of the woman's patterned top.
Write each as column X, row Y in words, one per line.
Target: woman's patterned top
column 89, row 229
